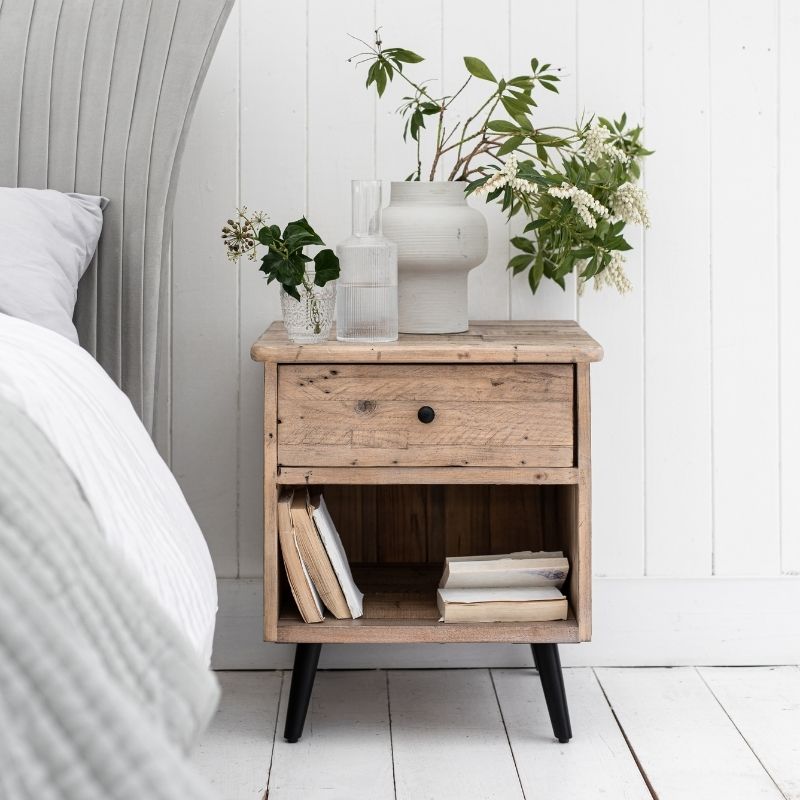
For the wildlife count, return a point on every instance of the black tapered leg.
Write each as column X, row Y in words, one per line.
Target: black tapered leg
column 548, row 663
column 306, row 658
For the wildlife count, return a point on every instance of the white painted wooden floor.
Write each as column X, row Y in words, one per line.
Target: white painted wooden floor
column 673, row 734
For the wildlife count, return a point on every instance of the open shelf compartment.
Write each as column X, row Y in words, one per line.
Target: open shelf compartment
column 397, row 536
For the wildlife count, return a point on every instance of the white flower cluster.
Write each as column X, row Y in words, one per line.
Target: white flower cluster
column 507, row 176
column 629, row 203
column 596, row 145
column 614, row 275
column 589, row 209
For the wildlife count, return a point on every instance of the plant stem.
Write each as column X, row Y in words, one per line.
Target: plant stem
column 438, row 154
column 469, row 121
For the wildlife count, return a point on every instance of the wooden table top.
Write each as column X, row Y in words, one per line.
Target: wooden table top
column 518, row 341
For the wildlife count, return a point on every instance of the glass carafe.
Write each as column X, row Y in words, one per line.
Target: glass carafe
column 366, row 302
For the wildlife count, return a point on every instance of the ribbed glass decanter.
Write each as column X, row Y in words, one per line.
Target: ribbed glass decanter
column 366, row 301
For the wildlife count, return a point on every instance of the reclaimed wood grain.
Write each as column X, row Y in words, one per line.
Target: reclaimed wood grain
column 504, row 466
column 338, row 415
column 468, row 475
column 272, row 564
column 548, row 341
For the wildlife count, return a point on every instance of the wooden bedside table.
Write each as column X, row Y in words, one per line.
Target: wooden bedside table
column 428, row 447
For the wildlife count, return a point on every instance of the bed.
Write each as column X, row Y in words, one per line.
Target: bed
column 108, row 592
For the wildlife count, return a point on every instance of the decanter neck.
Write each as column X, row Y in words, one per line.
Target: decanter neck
column 367, row 208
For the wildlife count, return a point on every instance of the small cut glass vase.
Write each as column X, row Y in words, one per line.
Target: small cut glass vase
column 309, row 320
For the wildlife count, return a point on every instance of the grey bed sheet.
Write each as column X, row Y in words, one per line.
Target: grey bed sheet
column 101, row 698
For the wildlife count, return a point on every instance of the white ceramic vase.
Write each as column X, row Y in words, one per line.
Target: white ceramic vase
column 439, row 240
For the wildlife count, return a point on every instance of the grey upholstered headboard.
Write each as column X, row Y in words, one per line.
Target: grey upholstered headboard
column 95, row 97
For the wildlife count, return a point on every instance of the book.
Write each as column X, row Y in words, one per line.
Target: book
column 516, row 604
column 335, row 550
column 316, row 558
column 524, row 568
column 304, row 593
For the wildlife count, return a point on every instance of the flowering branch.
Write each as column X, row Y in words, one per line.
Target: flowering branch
column 576, row 185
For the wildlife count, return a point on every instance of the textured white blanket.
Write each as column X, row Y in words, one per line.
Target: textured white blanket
column 101, row 696
column 135, row 498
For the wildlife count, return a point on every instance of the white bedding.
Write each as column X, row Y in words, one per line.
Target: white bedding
column 135, row 498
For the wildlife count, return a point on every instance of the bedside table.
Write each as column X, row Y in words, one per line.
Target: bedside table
column 432, row 446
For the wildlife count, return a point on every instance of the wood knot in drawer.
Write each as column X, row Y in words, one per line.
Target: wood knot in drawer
column 366, row 407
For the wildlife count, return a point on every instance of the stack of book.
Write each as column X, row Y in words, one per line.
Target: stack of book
column 516, row 587
column 316, row 565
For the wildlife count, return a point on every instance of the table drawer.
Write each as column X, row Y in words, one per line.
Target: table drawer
column 372, row 415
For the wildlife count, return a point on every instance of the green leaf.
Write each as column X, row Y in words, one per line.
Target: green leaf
column 477, row 68
column 292, row 271
column 523, row 97
column 519, row 263
column 473, row 185
column 270, row 262
column 291, row 290
column 417, row 122
column 536, row 272
column 534, row 64
column 372, row 73
column 510, row 144
column 549, row 86
column 265, row 235
column 618, row 243
column 502, row 126
column 522, row 82
column 300, row 234
column 380, row 81
column 535, row 225
column 514, row 107
column 326, row 266
column 521, row 243
column 405, row 56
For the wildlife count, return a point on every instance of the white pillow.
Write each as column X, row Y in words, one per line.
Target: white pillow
column 47, row 240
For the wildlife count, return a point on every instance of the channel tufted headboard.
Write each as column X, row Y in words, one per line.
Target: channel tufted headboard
column 96, row 97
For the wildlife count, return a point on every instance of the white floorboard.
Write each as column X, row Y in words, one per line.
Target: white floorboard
column 235, row 753
column 345, row 752
column 595, row 764
column 697, row 734
column 685, row 743
column 448, row 737
column 764, row 704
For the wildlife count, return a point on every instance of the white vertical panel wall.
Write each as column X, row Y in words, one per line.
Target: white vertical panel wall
column 696, row 433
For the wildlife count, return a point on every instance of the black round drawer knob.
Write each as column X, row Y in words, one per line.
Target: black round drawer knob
column 426, row 414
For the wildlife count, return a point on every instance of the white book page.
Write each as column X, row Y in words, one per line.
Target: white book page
column 552, row 576
column 333, row 546
column 314, row 592
column 520, row 554
column 517, row 595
